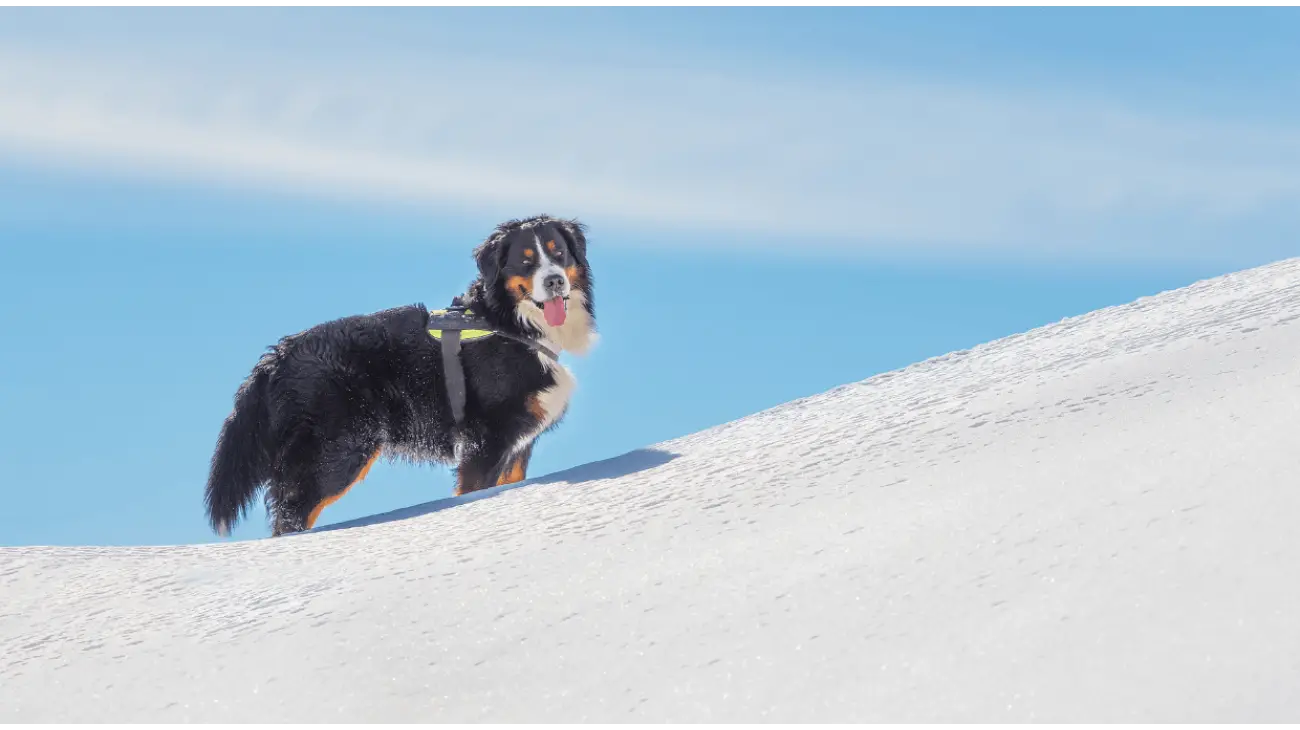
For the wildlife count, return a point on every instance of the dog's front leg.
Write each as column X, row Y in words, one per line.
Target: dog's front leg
column 506, row 468
column 517, row 470
column 482, row 468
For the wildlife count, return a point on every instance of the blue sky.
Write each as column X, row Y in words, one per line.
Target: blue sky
column 780, row 201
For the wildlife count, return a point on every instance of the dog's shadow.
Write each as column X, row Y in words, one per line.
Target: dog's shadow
column 629, row 463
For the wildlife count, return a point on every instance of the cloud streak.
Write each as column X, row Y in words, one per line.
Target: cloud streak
column 839, row 163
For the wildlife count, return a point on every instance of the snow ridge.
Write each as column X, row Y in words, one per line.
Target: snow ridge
column 1089, row 521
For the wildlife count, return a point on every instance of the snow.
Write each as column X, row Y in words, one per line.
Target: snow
column 1092, row 521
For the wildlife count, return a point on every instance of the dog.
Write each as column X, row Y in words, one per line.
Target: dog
column 322, row 405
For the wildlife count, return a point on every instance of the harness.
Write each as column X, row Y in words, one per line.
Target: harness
column 456, row 324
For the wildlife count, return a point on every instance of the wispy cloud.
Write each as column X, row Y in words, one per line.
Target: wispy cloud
column 836, row 161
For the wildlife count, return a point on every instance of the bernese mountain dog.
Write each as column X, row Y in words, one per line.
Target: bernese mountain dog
column 322, row 405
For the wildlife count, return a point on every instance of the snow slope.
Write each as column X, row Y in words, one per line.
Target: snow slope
column 1093, row 521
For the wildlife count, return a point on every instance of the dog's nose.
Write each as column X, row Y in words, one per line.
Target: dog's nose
column 554, row 284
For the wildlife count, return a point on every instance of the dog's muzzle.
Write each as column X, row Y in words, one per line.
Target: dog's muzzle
column 555, row 287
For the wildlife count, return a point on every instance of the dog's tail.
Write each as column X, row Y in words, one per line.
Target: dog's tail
column 242, row 461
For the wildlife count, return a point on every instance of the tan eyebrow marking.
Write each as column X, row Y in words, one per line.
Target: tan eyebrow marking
column 528, row 252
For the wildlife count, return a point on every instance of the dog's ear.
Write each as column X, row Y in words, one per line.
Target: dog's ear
column 575, row 233
column 488, row 258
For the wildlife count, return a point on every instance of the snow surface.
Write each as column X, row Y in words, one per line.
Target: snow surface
column 1093, row 521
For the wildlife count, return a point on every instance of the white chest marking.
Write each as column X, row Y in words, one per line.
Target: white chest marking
column 552, row 402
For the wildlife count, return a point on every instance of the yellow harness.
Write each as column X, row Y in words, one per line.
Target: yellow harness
column 441, row 317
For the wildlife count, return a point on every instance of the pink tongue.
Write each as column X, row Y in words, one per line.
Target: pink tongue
column 554, row 311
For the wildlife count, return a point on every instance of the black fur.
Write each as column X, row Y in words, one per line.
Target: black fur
column 321, row 403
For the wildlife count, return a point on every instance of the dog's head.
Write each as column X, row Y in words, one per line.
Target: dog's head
column 536, row 271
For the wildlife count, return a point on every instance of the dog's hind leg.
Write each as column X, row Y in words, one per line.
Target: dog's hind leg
column 287, row 501
column 299, row 498
column 352, row 476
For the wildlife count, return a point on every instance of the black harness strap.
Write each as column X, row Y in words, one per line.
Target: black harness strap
column 531, row 344
column 453, row 373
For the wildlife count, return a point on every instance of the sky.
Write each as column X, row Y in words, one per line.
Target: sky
column 780, row 201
